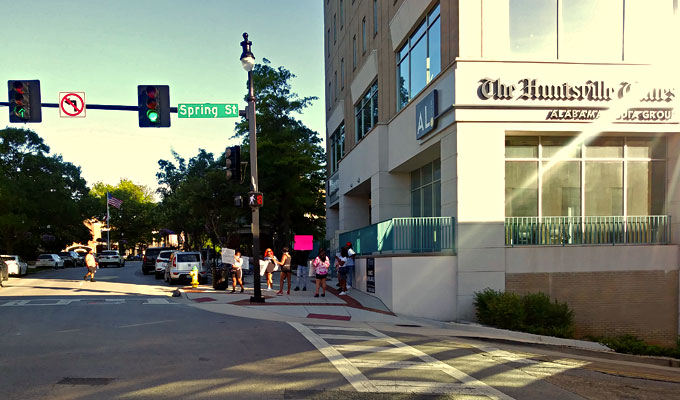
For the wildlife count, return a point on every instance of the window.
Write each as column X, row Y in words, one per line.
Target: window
column 328, row 97
column 342, row 73
column 341, row 7
column 354, row 52
column 328, row 42
column 426, row 194
column 590, row 30
column 375, row 17
column 607, row 176
column 335, row 30
column 337, row 148
column 419, row 60
column 335, row 86
column 363, row 35
column 366, row 112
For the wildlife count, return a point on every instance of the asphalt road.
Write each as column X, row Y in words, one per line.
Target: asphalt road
column 124, row 337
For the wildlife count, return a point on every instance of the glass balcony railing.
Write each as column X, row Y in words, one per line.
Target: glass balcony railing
column 645, row 229
column 403, row 235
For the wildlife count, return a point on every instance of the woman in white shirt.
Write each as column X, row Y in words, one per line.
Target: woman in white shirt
column 237, row 272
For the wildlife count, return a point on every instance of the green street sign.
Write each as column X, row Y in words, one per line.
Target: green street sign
column 207, row 110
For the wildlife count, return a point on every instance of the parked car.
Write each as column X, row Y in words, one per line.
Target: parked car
column 49, row 260
column 80, row 258
column 15, row 264
column 162, row 262
column 4, row 272
column 70, row 258
column 149, row 260
column 110, row 257
column 180, row 265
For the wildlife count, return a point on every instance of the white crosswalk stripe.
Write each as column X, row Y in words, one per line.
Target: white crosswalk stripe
column 464, row 384
column 65, row 302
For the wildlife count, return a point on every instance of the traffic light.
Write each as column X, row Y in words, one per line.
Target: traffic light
column 238, row 200
column 24, row 101
column 154, row 106
column 233, row 157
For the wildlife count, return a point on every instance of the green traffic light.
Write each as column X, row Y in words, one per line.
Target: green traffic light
column 19, row 112
column 152, row 115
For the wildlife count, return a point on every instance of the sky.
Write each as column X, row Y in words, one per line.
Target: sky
column 107, row 48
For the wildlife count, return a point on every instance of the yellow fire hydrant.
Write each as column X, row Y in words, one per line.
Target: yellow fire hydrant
column 194, row 277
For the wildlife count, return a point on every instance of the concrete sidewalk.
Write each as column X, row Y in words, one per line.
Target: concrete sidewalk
column 354, row 309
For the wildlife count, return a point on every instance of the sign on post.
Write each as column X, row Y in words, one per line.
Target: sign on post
column 72, row 104
column 370, row 275
column 207, row 110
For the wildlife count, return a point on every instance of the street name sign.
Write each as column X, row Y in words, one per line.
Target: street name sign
column 207, row 110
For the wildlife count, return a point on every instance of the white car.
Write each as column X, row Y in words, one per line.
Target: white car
column 17, row 266
column 49, row 260
column 180, row 266
column 162, row 263
column 110, row 257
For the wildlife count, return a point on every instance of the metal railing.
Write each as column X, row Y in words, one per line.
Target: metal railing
column 403, row 235
column 644, row 229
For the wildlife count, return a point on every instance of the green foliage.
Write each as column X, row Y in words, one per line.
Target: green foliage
column 630, row 344
column 291, row 160
column 134, row 221
column 43, row 199
column 533, row 313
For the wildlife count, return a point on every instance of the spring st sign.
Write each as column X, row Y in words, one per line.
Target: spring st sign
column 207, row 110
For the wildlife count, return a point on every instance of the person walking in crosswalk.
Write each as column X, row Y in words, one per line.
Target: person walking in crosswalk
column 91, row 264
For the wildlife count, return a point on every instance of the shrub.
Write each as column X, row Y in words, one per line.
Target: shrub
column 533, row 313
column 630, row 344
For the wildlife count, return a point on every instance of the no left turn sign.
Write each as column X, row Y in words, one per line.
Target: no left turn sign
column 72, row 104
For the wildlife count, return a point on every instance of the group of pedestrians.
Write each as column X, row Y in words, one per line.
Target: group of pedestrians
column 344, row 264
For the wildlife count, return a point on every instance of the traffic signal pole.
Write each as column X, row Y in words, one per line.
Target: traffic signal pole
column 257, row 297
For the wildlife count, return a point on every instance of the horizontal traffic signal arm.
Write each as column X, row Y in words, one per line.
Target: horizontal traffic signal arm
column 95, row 107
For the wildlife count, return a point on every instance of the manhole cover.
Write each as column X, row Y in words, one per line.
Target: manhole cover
column 85, row 381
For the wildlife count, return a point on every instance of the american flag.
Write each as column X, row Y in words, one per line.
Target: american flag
column 113, row 201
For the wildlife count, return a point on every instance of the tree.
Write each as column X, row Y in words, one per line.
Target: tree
column 134, row 221
column 197, row 200
column 43, row 199
column 291, row 161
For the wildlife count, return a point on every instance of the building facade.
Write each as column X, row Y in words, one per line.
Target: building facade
column 519, row 145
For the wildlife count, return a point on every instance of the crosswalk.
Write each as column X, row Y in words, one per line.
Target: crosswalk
column 377, row 351
column 88, row 301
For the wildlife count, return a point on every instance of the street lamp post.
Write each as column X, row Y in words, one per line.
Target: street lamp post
column 248, row 62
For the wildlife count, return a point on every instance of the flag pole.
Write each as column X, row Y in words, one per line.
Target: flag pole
column 108, row 230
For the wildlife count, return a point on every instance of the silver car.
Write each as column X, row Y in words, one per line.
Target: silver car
column 180, row 265
column 49, row 260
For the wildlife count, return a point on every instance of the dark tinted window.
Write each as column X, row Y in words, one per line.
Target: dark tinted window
column 45, row 257
column 109, row 253
column 7, row 258
column 64, row 254
column 165, row 254
column 188, row 258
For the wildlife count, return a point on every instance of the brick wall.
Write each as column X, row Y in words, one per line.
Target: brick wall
column 640, row 303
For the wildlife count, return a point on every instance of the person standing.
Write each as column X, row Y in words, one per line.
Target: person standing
column 91, row 264
column 285, row 270
column 321, row 264
column 237, row 272
column 341, row 262
column 350, row 266
column 302, row 269
column 269, row 256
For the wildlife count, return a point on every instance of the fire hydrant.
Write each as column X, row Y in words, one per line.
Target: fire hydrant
column 194, row 277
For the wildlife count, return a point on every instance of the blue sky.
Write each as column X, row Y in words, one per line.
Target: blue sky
column 107, row 48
